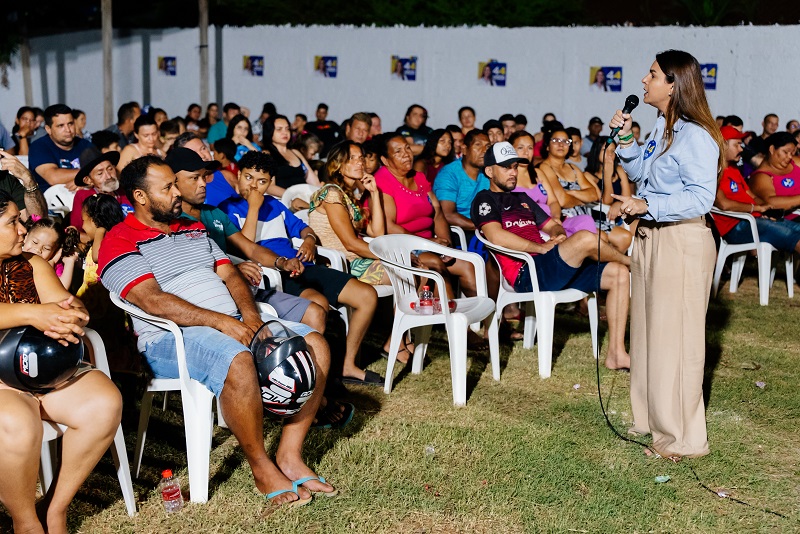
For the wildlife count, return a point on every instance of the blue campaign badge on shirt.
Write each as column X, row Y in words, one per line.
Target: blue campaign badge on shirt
column 787, row 182
column 734, row 187
column 651, row 147
column 542, row 189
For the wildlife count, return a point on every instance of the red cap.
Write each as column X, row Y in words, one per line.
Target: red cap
column 166, row 473
column 729, row 132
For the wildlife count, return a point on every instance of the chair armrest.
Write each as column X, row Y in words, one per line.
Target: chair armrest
column 516, row 254
column 337, row 258
column 462, row 237
column 164, row 324
column 475, row 259
column 98, row 350
column 740, row 215
column 263, row 307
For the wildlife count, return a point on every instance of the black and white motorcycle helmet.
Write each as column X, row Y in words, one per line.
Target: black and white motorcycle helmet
column 31, row 361
column 286, row 371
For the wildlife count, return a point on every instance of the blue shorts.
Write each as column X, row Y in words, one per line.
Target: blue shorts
column 554, row 274
column 783, row 235
column 209, row 353
column 288, row 307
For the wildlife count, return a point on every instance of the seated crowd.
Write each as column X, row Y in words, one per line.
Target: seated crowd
column 162, row 209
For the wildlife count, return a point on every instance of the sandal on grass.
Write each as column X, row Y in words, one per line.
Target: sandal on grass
column 326, row 417
column 299, row 482
column 404, row 348
column 290, row 504
column 371, row 378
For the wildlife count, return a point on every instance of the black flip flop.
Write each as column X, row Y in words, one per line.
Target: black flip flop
column 324, row 416
column 370, row 379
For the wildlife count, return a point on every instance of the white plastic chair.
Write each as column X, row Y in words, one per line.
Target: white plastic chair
column 198, row 417
column 395, row 253
column 53, row 431
column 540, row 307
column 59, row 199
column 301, row 191
column 462, row 237
column 302, row 215
column 766, row 273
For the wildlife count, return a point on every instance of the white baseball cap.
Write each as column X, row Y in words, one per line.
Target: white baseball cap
column 502, row 154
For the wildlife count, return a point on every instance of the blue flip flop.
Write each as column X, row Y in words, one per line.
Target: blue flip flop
column 299, row 482
column 291, row 504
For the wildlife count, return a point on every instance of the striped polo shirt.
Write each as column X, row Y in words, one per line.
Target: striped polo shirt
column 183, row 263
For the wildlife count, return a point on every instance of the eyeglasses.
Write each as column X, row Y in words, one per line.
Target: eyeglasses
column 560, row 141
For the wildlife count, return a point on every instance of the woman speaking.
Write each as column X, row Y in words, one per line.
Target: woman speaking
column 673, row 256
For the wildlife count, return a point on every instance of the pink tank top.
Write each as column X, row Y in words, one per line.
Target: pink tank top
column 414, row 208
column 786, row 185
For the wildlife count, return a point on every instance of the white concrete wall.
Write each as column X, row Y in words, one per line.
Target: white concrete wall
column 548, row 70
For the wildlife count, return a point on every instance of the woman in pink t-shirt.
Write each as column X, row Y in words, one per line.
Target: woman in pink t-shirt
column 412, row 208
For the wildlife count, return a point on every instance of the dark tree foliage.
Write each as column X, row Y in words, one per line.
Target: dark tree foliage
column 46, row 17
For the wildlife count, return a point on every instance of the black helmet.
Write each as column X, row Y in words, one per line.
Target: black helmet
column 286, row 371
column 31, row 361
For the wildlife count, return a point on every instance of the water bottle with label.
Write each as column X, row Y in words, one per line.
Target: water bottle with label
column 170, row 489
column 426, row 301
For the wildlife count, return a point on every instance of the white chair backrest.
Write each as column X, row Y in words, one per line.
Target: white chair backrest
column 59, row 199
column 302, row 215
column 301, row 191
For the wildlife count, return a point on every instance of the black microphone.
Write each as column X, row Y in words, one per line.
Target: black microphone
column 630, row 104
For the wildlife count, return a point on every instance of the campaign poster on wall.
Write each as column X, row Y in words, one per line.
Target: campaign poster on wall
column 709, row 73
column 492, row 72
column 605, row 79
column 325, row 66
column 404, row 68
column 168, row 65
column 253, row 65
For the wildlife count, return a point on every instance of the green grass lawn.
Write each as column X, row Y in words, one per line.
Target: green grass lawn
column 524, row 455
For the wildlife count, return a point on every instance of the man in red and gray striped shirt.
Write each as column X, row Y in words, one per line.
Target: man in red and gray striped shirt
column 169, row 267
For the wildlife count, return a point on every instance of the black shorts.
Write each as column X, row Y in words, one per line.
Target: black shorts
column 329, row 282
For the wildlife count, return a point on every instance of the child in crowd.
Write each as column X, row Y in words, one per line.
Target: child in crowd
column 60, row 247
column 100, row 213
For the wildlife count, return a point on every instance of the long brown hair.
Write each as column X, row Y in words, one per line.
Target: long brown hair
column 338, row 155
column 688, row 100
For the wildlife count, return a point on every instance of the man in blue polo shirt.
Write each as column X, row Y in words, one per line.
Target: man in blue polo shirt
column 459, row 181
column 55, row 158
column 169, row 267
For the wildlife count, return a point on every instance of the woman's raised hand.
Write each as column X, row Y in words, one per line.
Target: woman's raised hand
column 623, row 121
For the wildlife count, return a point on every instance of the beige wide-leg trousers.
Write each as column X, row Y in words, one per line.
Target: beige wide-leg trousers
column 671, row 271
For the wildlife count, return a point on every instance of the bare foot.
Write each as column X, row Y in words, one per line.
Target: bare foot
column 273, row 480
column 618, row 361
column 295, row 469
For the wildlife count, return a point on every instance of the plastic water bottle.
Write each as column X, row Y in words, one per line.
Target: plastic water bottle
column 426, row 301
column 170, row 492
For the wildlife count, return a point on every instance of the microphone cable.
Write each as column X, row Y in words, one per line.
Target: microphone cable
column 721, row 494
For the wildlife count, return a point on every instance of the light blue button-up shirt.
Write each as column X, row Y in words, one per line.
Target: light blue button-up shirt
column 681, row 183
